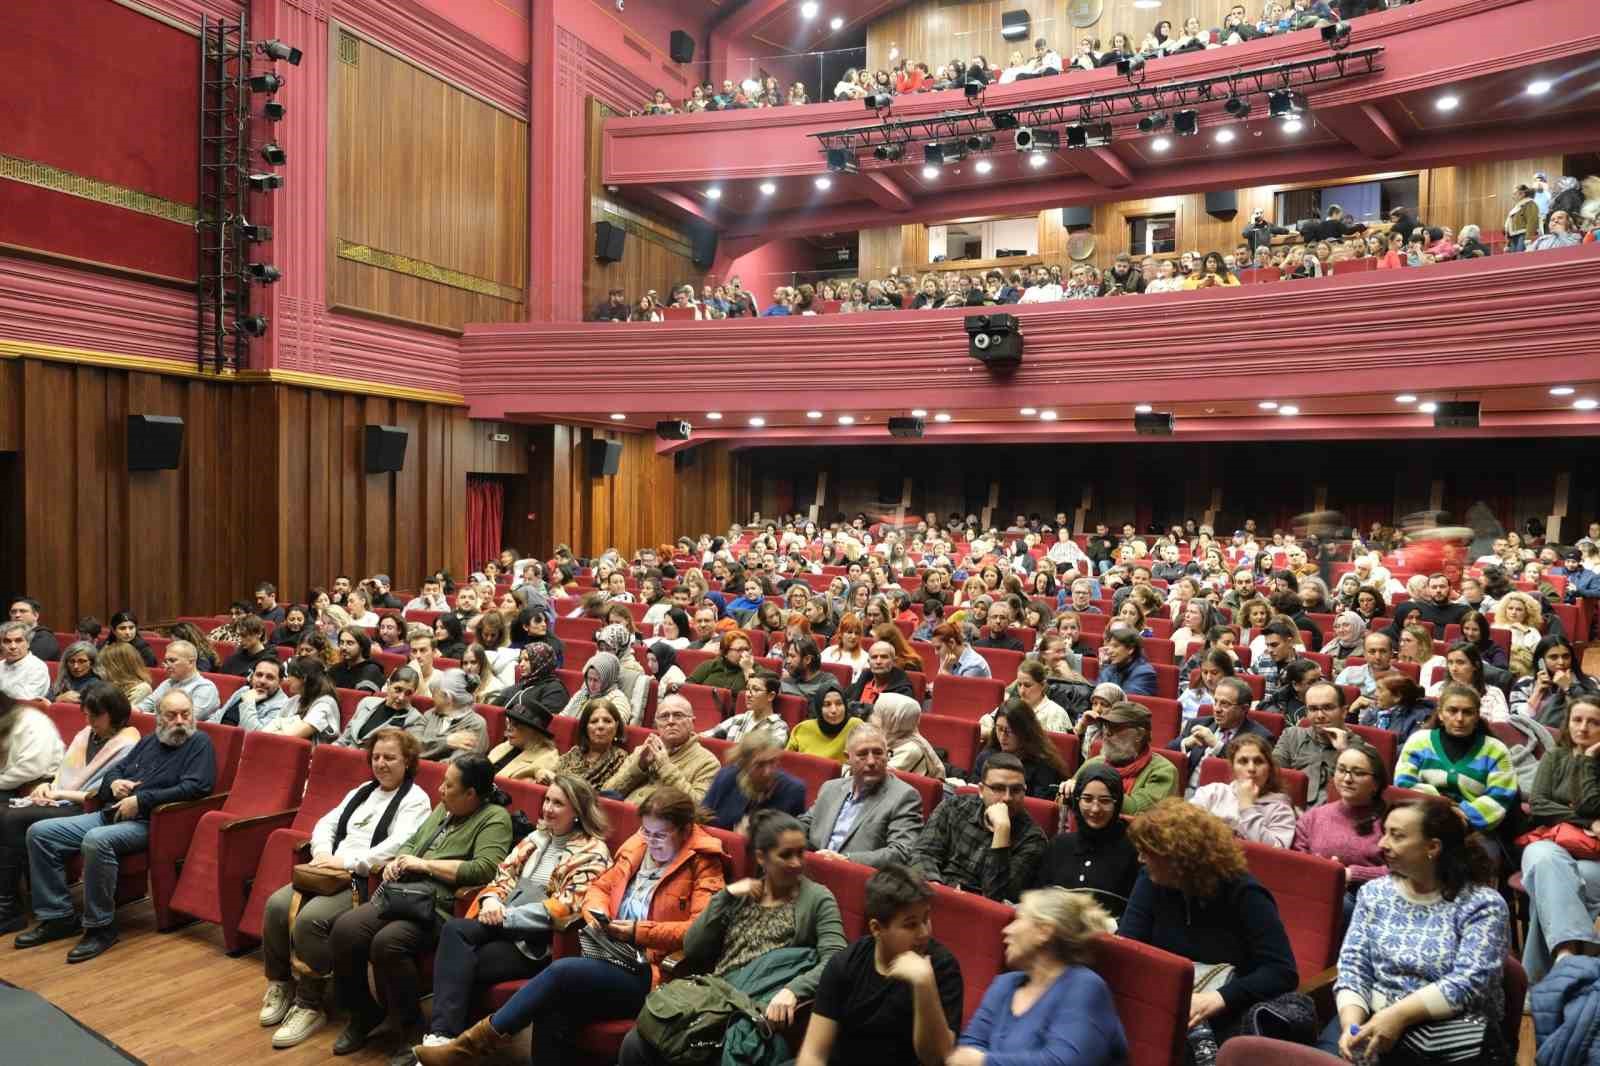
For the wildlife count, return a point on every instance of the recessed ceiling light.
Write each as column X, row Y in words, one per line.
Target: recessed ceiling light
column 941, row 417
column 813, row 414
column 1038, row 159
column 847, row 420
column 1427, row 408
column 617, row 417
column 809, row 9
column 930, row 172
column 824, row 183
column 1160, row 144
column 1586, row 404
column 1288, row 409
column 758, row 421
column 1563, row 390
column 1047, row 416
column 713, row 193
column 1293, row 125
column 1268, row 405
column 768, row 188
column 1447, row 103
column 917, row 412
column 836, row 23
column 715, row 416
column 1224, row 136
column 983, row 166
column 1405, row 397
column 1538, row 88
column 1029, row 412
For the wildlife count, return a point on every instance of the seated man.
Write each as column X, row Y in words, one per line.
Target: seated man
column 381, row 596
column 1147, row 778
column 258, row 702
column 1435, row 608
column 672, row 755
column 267, row 608
column 895, row 995
column 41, row 641
column 956, row 656
column 173, row 764
column 870, row 817
column 803, row 674
column 182, row 676
column 1377, row 648
column 705, row 628
column 23, row 676
column 880, row 676
column 431, row 599
column 997, row 633
column 1241, row 590
column 252, row 648
column 1313, row 746
column 985, row 843
column 1279, row 639
column 1230, row 717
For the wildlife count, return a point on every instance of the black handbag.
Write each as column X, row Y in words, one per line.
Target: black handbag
column 406, row 901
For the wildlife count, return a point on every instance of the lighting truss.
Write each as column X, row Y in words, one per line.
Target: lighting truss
column 959, row 125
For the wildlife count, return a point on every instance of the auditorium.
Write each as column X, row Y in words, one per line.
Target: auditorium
column 485, row 621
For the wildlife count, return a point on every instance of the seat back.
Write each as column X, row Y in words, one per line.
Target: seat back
column 1273, row 723
column 69, row 719
column 569, row 629
column 1002, row 663
column 227, row 741
column 430, row 775
column 622, row 819
column 848, row 883
column 271, row 776
column 958, row 737
column 334, row 772
column 970, row 926
column 1152, row 990
column 932, row 790
column 737, row 848
column 711, row 705
column 1386, row 742
column 526, row 796
column 1309, row 891
column 1166, row 715
column 494, row 720
column 1296, row 785
column 565, row 731
column 227, row 685
column 969, row 698
column 812, row 770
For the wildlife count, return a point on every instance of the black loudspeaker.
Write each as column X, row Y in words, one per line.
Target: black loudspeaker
column 994, row 340
column 705, row 247
column 1456, row 414
column 608, row 242
column 682, row 47
column 1154, row 424
column 1014, row 25
column 386, row 449
column 673, row 430
column 1222, row 203
column 155, row 442
column 684, row 458
column 604, row 457
column 906, row 427
column 1077, row 217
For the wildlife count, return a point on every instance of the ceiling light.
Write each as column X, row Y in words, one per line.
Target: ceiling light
column 1268, row 405
column 1030, row 411
column 824, row 183
column 1224, row 136
column 1293, row 125
column 941, row 417
column 930, row 172
column 1161, row 144
column 1447, row 103
column 713, row 193
column 1563, row 390
column 1538, row 88
column 768, row 188
column 1047, row 416
column 847, row 420
column 836, row 23
column 1586, row 404
column 1038, row 160
column 1143, row 409
column 1288, row 409
column 813, row 414
column 758, row 421
column 715, row 416
column 617, row 417
column 1405, row 397
column 983, row 166
column 918, row 412
column 1427, row 408
column 809, row 9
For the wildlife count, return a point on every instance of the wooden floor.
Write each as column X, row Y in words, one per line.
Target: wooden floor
column 176, row 998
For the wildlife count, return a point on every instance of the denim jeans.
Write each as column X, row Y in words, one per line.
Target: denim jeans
column 1564, row 897
column 569, row 993
column 52, row 843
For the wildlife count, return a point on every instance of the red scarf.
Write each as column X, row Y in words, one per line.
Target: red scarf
column 1131, row 772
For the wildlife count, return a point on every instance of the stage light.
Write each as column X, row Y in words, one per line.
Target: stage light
column 973, row 88
column 1080, row 136
column 983, row 166
column 1038, row 160
column 263, row 273
column 940, row 153
column 1131, row 66
column 1225, row 136
column 1186, row 123
column 768, row 188
column 842, row 161
column 254, row 234
column 1292, row 124
column 930, row 172
column 273, row 111
column 276, row 49
column 1004, row 120
column 824, row 183
column 1447, row 103
column 1028, row 139
column 265, row 182
column 252, row 325
column 714, row 193
column 1161, row 144
column 274, row 154
column 1285, row 102
column 878, row 101
column 809, row 9
column 1538, row 88
column 889, row 153
column 1237, row 106
column 1337, row 35
column 266, row 83
column 1154, row 121
column 836, row 23
column 980, row 142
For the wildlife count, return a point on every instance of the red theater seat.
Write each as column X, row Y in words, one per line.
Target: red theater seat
column 1215, row 770
column 1002, row 663
column 966, row 697
column 932, row 790
column 1152, row 990
column 971, row 927
column 813, row 770
column 1309, row 891
column 958, row 737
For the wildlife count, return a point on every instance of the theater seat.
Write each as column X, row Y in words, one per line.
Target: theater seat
column 958, row 737
column 812, row 770
column 1002, row 663
column 1296, row 785
column 1152, row 990
column 848, row 883
column 1166, row 715
column 1309, row 891
column 965, row 697
column 211, row 884
column 932, row 790
column 1262, row 1051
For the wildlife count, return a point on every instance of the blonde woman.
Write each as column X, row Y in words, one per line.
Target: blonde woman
column 119, row 666
column 1416, row 646
column 1520, row 613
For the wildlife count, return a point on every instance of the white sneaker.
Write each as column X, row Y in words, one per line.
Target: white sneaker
column 276, row 1003
column 300, row 1025
column 435, row 1040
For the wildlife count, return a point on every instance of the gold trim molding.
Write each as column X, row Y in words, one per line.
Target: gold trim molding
column 417, row 268
column 45, row 176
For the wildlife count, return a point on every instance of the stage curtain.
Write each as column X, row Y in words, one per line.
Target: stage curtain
column 486, row 499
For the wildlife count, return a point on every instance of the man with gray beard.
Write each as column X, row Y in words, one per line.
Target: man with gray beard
column 1147, row 778
column 175, row 763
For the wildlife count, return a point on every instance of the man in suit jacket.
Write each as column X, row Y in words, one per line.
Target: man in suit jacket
column 871, row 817
column 1210, row 736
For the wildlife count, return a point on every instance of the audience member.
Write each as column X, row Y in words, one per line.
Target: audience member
column 671, row 756
column 1253, row 804
column 1147, row 778
column 870, row 817
column 598, row 752
column 1455, row 756
column 984, row 843
column 751, row 782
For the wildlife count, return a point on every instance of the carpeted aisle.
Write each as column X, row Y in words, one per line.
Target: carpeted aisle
column 38, row 1032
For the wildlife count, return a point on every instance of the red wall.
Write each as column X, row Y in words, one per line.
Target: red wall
column 758, row 270
column 655, row 20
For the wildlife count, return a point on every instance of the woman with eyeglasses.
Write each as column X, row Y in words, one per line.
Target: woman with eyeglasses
column 1349, row 827
column 1096, row 856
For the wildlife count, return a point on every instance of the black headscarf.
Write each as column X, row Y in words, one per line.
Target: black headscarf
column 823, row 725
column 1114, row 829
column 666, row 656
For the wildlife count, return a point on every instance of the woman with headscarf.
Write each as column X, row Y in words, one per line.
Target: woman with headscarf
column 827, row 731
column 618, row 640
column 1349, row 629
column 602, row 676
column 661, row 663
column 1096, row 857
column 909, row 751
column 1089, row 727
column 538, row 685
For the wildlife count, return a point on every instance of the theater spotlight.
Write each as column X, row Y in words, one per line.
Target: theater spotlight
column 973, row 88
column 980, row 142
column 263, row 273
column 252, row 325
column 276, row 49
column 994, row 340
column 1082, row 135
column 1186, row 123
column 1130, row 66
column 265, row 182
column 1337, row 35
column 878, row 101
column 273, row 153
column 1028, row 139
column 889, row 153
column 1004, row 120
column 254, row 234
column 273, row 111
column 940, row 153
column 1154, row 121
column 1285, row 102
column 266, row 83
column 1237, row 106
column 842, row 161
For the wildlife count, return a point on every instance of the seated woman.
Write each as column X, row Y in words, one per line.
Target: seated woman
column 1561, row 858
column 355, row 669
column 598, row 752
column 602, row 676
column 1421, row 963
column 536, row 892
column 1133, row 614
column 124, row 629
column 1214, row 666
column 673, row 629
column 731, row 666
column 359, row 834
column 460, row 844
column 480, row 673
column 1096, row 857
column 1349, row 630
column 760, row 714
column 1463, row 666
column 659, row 881
column 312, row 709
column 1017, row 732
column 776, row 909
column 392, row 635
column 751, row 782
column 1455, row 756
column 1348, row 827
column 1213, row 272
column 827, row 732
column 1475, row 631
column 537, row 684
column 1089, row 727
column 529, row 749
column 1417, row 646
column 33, row 753
column 1253, row 804
column 493, row 633
column 1032, row 687
column 1556, row 682
column 1196, row 898
column 909, row 751
column 75, row 673
column 1289, row 697
column 1522, row 614
column 1052, row 1007
column 392, row 708
column 449, row 637
column 846, row 648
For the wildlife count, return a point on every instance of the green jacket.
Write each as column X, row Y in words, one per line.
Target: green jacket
column 718, row 674
column 817, row 924
column 483, row 840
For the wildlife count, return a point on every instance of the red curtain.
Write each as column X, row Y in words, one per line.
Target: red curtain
column 486, row 498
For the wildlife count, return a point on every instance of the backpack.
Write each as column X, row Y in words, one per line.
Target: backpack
column 685, row 1019
column 1525, row 757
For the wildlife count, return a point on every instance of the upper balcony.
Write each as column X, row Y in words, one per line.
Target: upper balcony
column 755, row 173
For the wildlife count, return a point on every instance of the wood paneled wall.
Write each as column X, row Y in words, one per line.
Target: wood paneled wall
column 271, row 486
column 423, row 171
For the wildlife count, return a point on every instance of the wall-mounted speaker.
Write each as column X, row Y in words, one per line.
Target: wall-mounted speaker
column 682, row 47
column 1154, row 424
column 386, row 449
column 705, row 247
column 1014, row 25
column 684, row 458
column 608, row 242
column 604, row 457
column 1456, row 414
column 1222, row 203
column 1077, row 217
column 155, row 442
column 673, row 430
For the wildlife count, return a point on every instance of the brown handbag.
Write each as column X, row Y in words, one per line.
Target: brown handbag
column 311, row 879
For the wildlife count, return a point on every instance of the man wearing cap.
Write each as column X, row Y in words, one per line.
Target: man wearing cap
column 1147, row 778
column 529, row 750
column 381, row 596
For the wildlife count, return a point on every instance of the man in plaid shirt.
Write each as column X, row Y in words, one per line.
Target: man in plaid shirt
column 985, row 843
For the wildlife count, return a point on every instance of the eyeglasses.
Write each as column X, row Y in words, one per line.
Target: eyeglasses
column 1096, row 801
column 674, row 716
column 1351, row 772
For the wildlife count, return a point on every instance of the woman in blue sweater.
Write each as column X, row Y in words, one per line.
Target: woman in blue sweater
column 1051, row 1009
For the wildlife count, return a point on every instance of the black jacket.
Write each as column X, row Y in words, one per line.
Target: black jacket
column 897, row 682
column 546, row 692
column 1330, row 230
column 1197, row 753
column 146, row 652
column 243, row 663
column 42, row 642
column 1261, row 234
column 1132, row 281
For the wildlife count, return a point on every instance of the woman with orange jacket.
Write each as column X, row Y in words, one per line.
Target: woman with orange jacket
column 662, row 878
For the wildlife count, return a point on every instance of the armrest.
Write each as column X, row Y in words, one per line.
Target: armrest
column 1317, row 982
column 463, row 898
column 241, row 841
column 211, row 803
column 671, row 965
column 239, row 825
column 172, row 826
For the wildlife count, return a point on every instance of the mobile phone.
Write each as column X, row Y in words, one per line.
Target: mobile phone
column 599, row 918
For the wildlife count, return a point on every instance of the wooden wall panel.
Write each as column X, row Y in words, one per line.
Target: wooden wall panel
column 423, row 170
